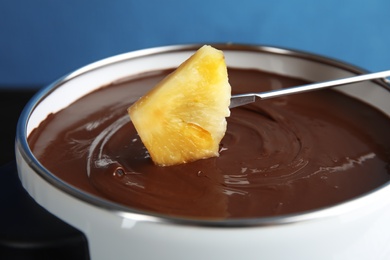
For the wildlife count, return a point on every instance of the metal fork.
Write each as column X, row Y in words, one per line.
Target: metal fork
column 243, row 99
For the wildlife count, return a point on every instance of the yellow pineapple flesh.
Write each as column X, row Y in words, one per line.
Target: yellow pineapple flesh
column 183, row 118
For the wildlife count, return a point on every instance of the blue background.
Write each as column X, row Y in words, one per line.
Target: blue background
column 42, row 40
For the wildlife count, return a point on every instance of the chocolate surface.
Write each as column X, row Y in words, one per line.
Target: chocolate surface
column 279, row 156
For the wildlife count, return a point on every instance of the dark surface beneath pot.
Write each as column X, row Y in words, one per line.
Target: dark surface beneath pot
column 28, row 231
column 12, row 103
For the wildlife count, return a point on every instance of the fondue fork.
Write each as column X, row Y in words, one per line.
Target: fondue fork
column 243, row 99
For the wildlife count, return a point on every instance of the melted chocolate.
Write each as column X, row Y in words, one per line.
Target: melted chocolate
column 279, row 156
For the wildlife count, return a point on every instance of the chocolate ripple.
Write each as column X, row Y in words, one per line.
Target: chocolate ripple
column 278, row 156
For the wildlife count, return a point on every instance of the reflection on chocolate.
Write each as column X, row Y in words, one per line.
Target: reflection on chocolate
column 279, row 156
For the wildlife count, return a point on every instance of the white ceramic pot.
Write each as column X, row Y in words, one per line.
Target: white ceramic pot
column 355, row 229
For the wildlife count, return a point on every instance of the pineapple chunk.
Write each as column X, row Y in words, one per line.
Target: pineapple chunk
column 183, row 118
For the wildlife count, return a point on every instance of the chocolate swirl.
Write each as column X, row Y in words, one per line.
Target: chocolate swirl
column 278, row 156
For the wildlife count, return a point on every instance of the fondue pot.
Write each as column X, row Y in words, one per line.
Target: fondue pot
column 355, row 229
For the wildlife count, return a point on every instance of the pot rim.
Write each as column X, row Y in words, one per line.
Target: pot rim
column 22, row 146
